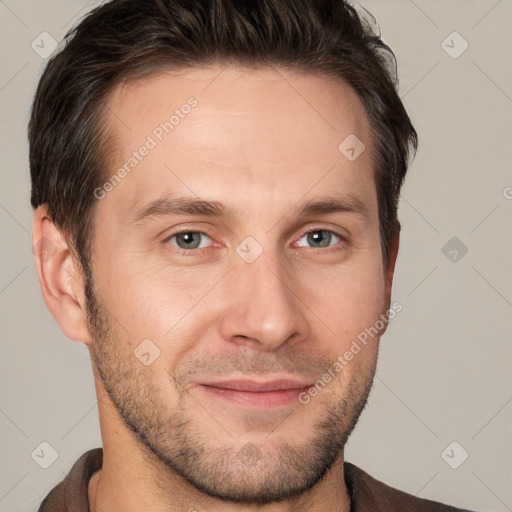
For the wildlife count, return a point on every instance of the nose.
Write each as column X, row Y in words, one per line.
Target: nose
column 264, row 309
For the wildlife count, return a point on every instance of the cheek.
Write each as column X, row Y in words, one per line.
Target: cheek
column 347, row 299
column 351, row 306
column 156, row 302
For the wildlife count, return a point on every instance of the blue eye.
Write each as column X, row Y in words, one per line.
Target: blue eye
column 190, row 243
column 322, row 237
column 186, row 240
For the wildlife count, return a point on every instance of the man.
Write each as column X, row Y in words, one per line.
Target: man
column 215, row 188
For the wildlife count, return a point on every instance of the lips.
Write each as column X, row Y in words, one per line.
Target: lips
column 254, row 394
column 258, row 387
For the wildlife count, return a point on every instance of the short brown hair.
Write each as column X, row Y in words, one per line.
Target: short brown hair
column 125, row 39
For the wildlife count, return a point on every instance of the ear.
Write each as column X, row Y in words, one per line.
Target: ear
column 388, row 275
column 59, row 277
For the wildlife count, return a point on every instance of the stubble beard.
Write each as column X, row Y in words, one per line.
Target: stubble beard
column 238, row 472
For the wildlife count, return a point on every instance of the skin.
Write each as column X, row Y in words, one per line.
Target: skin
column 265, row 149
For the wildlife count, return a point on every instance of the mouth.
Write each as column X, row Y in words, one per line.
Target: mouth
column 256, row 394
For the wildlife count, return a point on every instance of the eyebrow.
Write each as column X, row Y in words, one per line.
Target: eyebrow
column 173, row 205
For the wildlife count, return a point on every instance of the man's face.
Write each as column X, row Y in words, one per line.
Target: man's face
column 265, row 295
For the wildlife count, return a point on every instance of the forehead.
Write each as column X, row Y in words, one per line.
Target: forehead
column 261, row 133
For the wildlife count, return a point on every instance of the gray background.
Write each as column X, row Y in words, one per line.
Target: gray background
column 444, row 368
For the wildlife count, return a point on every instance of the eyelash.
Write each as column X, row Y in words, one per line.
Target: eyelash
column 195, row 252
